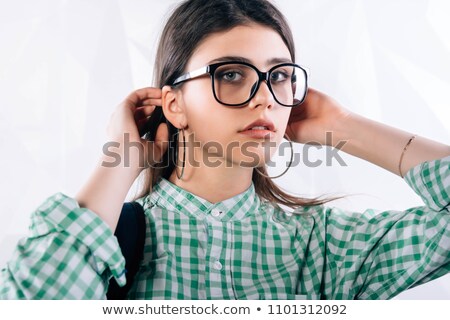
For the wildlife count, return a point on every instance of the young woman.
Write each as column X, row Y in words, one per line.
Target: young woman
column 214, row 225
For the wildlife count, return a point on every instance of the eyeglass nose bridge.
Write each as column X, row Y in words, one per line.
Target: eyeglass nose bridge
column 262, row 76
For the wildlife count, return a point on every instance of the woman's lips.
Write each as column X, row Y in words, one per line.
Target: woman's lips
column 258, row 133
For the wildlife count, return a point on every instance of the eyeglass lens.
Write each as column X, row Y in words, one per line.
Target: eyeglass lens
column 235, row 83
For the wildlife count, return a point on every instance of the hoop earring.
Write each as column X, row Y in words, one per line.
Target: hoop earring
column 184, row 157
column 292, row 157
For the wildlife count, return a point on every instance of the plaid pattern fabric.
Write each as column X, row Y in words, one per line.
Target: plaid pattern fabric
column 241, row 248
column 69, row 254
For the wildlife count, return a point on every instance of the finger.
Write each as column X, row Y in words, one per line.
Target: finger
column 143, row 94
column 151, row 102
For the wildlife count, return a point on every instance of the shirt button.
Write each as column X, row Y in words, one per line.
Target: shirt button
column 216, row 213
column 217, row 265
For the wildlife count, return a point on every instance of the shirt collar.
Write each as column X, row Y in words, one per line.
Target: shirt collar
column 171, row 197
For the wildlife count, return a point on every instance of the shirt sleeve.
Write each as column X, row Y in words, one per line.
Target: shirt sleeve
column 70, row 253
column 378, row 254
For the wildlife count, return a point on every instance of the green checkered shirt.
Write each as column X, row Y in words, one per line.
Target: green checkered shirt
column 240, row 248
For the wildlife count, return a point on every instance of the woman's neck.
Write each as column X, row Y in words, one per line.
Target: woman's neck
column 214, row 184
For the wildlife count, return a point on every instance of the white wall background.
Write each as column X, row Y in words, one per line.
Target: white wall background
column 64, row 66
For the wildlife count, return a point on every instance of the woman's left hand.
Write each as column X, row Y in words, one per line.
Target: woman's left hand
column 317, row 115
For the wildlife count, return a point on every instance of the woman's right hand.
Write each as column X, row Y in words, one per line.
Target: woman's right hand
column 127, row 123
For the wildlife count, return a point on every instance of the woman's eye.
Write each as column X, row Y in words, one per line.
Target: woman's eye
column 278, row 76
column 230, row 76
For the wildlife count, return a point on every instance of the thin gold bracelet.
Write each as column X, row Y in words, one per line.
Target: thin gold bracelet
column 403, row 152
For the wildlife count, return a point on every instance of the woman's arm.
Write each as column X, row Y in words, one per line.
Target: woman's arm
column 106, row 189
column 364, row 138
column 383, row 145
column 377, row 254
column 69, row 253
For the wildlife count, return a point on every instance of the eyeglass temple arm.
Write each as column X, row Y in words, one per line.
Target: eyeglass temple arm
column 191, row 75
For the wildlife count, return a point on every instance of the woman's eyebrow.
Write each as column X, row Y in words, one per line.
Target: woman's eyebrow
column 269, row 62
column 278, row 61
column 230, row 58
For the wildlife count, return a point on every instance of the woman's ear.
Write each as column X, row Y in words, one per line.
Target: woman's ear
column 173, row 107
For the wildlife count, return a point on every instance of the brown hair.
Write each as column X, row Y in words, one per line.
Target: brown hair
column 190, row 23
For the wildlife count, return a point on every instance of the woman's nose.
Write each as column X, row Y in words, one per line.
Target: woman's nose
column 263, row 96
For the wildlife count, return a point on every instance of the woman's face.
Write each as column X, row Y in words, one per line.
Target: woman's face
column 220, row 125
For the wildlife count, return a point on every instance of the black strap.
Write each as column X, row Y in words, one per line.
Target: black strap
column 130, row 233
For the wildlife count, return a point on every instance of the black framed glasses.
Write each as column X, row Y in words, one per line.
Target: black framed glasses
column 235, row 83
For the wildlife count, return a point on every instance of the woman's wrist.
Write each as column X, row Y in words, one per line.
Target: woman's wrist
column 384, row 145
